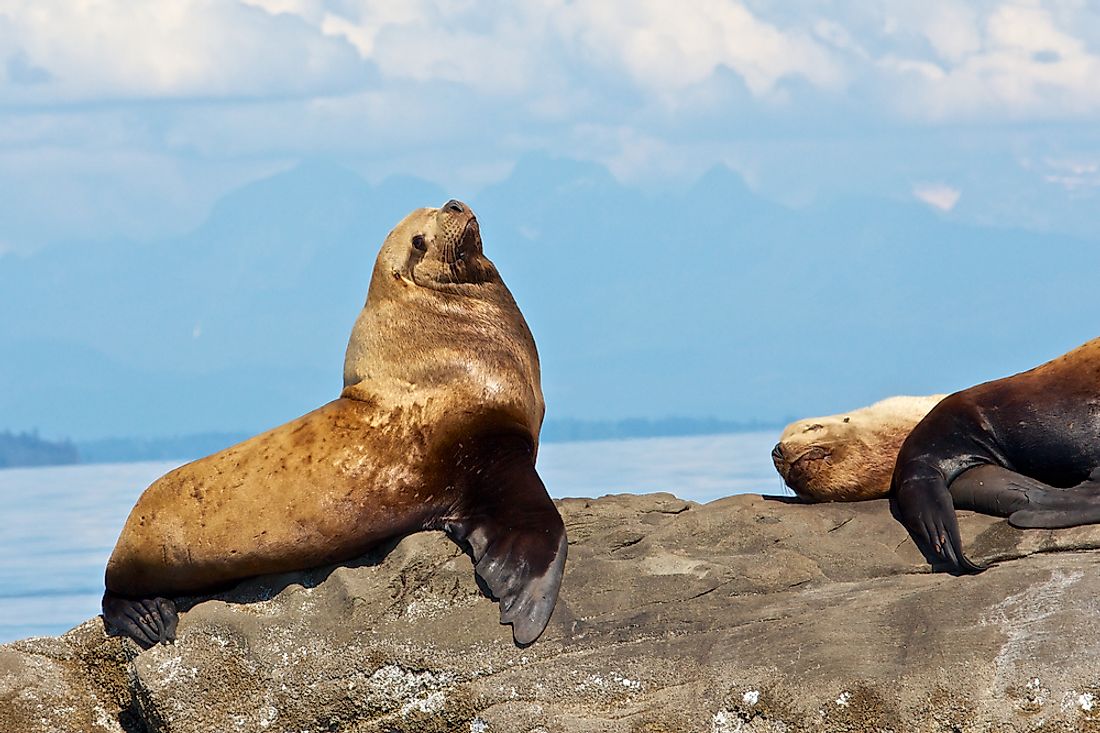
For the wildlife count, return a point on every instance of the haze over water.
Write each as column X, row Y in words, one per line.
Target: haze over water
column 62, row 522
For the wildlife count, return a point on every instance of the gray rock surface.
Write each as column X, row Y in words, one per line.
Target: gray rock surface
column 748, row 614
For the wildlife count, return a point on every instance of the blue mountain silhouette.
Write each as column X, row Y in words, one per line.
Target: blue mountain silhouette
column 713, row 302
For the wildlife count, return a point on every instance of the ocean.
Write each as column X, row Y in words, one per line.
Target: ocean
column 60, row 523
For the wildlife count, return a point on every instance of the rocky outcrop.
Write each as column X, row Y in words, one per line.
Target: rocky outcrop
column 746, row 614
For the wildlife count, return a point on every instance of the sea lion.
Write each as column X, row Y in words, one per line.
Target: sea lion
column 1026, row 447
column 850, row 456
column 436, row 428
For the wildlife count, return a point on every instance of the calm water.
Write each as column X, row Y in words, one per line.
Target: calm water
column 60, row 524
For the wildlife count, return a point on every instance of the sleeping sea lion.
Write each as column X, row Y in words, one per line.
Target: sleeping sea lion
column 850, row 456
column 437, row 428
column 1026, row 447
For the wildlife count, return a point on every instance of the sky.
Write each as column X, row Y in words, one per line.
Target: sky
column 138, row 132
column 124, row 119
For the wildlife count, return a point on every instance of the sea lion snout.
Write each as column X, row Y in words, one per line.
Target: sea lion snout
column 786, row 454
column 798, row 464
column 470, row 241
column 456, row 206
column 779, row 459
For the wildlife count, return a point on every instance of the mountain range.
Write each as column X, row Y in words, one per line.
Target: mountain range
column 709, row 302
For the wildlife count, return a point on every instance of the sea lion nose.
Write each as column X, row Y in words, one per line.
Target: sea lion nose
column 455, row 206
column 777, row 452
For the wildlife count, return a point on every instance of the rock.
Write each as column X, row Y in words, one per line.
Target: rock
column 748, row 614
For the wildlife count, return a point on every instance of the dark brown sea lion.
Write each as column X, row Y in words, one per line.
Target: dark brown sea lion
column 1026, row 447
column 437, row 428
column 850, row 456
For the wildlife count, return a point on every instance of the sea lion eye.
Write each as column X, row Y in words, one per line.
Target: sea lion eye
column 847, row 419
column 815, row 426
column 418, row 243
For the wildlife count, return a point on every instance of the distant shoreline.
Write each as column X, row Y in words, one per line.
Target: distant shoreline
column 27, row 450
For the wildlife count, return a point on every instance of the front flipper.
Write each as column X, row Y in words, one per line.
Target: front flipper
column 148, row 621
column 923, row 505
column 517, row 540
column 1028, row 504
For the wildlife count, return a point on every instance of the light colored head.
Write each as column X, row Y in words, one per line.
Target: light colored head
column 850, row 456
column 440, row 321
column 438, row 249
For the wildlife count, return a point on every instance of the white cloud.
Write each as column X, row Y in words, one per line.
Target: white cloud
column 950, row 27
column 501, row 47
column 933, row 61
column 112, row 50
column 666, row 46
column 938, row 195
column 1074, row 173
column 456, row 90
column 1015, row 61
column 312, row 10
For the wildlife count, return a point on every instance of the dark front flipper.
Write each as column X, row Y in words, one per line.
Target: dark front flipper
column 148, row 621
column 923, row 505
column 517, row 540
column 1028, row 504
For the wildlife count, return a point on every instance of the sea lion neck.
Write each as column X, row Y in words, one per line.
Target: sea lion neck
column 423, row 347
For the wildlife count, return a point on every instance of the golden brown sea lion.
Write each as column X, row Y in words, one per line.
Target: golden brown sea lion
column 1026, row 447
column 437, row 428
column 850, row 456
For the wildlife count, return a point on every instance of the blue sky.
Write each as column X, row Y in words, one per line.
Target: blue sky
column 124, row 119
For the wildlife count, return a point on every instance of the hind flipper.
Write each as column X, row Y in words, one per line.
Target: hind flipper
column 517, row 540
column 1028, row 503
column 998, row 491
column 1061, row 508
column 148, row 621
column 1056, row 518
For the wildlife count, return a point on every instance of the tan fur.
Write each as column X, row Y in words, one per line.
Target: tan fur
column 850, row 456
column 424, row 339
column 440, row 354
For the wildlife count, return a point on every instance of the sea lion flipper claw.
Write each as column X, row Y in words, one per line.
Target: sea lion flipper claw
column 148, row 621
column 171, row 618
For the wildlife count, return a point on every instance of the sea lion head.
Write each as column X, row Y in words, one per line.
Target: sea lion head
column 439, row 249
column 440, row 327
column 850, row 456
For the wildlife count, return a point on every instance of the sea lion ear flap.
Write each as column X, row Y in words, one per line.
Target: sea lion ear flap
column 519, row 554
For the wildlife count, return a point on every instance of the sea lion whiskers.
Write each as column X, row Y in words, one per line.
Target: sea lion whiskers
column 449, row 257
